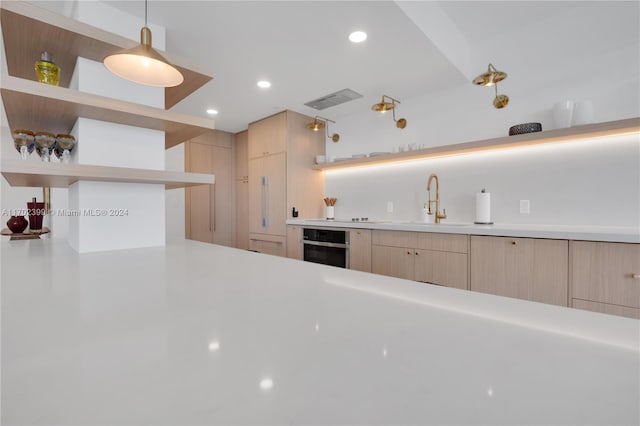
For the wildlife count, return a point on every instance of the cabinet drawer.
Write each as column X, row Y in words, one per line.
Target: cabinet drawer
column 395, row 238
column 605, row 308
column 443, row 242
column 268, row 244
column 604, row 272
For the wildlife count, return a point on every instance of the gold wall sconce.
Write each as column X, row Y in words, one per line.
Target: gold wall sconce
column 385, row 106
column 143, row 64
column 491, row 78
column 319, row 123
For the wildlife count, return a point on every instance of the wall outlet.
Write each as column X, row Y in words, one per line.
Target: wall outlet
column 389, row 206
column 525, row 207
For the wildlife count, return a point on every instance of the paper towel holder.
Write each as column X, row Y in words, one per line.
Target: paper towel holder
column 483, row 223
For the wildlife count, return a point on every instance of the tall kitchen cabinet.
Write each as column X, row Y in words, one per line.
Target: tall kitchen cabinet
column 209, row 209
column 242, row 190
column 281, row 157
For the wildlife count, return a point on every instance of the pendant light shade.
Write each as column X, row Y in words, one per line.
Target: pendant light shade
column 142, row 64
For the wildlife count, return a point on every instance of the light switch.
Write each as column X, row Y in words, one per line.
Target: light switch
column 525, row 207
column 389, row 206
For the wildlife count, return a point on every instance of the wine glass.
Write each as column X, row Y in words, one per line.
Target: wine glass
column 44, row 145
column 64, row 146
column 23, row 140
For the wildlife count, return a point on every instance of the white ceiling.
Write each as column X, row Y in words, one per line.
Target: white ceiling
column 302, row 48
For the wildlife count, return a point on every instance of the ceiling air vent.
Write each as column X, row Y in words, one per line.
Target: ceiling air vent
column 337, row 98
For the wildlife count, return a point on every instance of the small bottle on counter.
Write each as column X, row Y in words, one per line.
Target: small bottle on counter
column 46, row 70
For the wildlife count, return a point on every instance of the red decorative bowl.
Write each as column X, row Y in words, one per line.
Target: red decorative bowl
column 17, row 224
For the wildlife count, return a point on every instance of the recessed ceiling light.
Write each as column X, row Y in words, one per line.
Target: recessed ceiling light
column 264, row 84
column 212, row 111
column 357, row 36
column 266, row 383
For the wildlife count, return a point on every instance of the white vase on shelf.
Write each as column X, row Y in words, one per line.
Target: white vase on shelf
column 563, row 113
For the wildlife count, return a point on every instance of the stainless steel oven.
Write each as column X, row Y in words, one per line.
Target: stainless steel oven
column 326, row 246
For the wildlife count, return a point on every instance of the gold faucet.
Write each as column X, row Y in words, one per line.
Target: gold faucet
column 439, row 215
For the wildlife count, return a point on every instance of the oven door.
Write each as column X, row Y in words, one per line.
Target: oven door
column 334, row 254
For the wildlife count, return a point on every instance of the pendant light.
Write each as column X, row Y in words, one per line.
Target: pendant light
column 320, row 123
column 491, row 78
column 143, row 64
column 385, row 106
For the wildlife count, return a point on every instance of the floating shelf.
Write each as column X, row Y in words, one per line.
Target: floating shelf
column 609, row 128
column 58, row 175
column 28, row 30
column 42, row 107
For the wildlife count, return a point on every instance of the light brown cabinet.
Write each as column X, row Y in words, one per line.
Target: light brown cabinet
column 267, row 198
column 294, row 242
column 605, row 277
column 269, row 244
column 281, row 156
column 242, row 190
column 360, row 249
column 209, row 215
column 268, row 136
column 427, row 257
column 525, row 268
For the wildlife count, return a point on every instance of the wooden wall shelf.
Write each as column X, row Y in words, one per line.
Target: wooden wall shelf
column 41, row 107
column 609, row 128
column 58, row 175
column 28, row 30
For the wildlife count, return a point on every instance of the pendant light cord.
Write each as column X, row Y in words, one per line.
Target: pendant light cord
column 145, row 13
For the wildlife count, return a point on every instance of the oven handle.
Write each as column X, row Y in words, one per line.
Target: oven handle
column 323, row 244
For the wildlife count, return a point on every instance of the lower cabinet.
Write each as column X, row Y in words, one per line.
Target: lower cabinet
column 393, row 261
column 428, row 257
column 360, row 249
column 268, row 244
column 294, row 242
column 605, row 277
column 525, row 268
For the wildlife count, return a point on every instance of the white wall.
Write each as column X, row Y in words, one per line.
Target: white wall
column 584, row 183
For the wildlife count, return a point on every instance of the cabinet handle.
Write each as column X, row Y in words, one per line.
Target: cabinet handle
column 408, row 252
column 513, row 243
column 265, row 201
column 417, row 254
column 635, row 276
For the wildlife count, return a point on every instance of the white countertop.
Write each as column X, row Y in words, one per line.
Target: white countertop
column 188, row 333
column 561, row 232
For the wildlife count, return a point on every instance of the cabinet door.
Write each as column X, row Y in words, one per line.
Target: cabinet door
column 242, row 214
column 199, row 198
column 501, row 266
column 606, row 272
column 392, row 261
column 442, row 268
column 294, row 242
column 222, row 220
column 267, row 195
column 524, row 268
column 242, row 155
column 360, row 250
column 268, row 136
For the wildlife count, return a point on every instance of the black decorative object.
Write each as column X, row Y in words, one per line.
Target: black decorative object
column 520, row 129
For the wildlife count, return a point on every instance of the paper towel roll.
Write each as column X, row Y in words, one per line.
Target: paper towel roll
column 483, row 207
